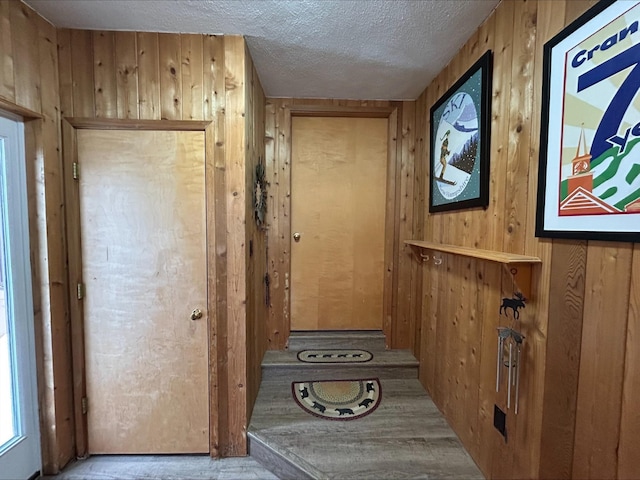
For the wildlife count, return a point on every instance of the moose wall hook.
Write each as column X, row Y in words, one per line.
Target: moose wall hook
column 515, row 304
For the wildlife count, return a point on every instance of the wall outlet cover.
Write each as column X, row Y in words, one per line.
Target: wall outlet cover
column 500, row 421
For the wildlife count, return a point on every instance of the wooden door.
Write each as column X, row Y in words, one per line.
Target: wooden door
column 142, row 215
column 338, row 186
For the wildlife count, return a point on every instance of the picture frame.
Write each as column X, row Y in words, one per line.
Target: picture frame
column 589, row 165
column 460, row 141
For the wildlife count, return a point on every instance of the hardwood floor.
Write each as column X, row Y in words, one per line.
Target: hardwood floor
column 164, row 467
column 406, row 437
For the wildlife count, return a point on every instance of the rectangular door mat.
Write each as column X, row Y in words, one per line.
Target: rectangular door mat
column 334, row 356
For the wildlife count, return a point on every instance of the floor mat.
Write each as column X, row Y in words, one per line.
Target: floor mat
column 339, row 399
column 334, row 356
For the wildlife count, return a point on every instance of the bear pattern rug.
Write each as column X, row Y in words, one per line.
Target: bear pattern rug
column 334, row 356
column 338, row 399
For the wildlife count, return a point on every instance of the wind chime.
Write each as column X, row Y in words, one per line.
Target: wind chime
column 510, row 349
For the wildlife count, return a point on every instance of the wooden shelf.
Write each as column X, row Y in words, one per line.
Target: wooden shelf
column 491, row 255
column 518, row 266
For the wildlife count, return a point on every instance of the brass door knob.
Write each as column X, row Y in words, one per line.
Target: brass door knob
column 196, row 314
column 296, row 236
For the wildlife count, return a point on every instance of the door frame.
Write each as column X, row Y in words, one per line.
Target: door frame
column 392, row 201
column 70, row 126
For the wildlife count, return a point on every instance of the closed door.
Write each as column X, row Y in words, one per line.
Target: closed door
column 338, row 186
column 142, row 217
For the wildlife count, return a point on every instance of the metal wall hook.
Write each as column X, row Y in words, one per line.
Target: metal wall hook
column 425, row 258
column 437, row 260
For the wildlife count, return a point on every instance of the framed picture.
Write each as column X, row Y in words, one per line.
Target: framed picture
column 589, row 176
column 460, row 141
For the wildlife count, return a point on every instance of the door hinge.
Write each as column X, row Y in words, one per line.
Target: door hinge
column 84, row 405
column 80, row 291
column 76, row 171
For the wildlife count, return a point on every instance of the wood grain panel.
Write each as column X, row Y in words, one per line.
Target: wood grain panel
column 404, row 331
column 519, row 125
column 148, row 76
column 391, row 235
column 104, row 73
column 26, row 56
column 7, row 81
column 629, row 443
column 563, row 352
column 126, row 62
column 214, row 46
column 235, row 191
column 81, row 47
column 607, row 284
column 65, row 73
column 170, row 52
column 192, row 63
column 54, row 287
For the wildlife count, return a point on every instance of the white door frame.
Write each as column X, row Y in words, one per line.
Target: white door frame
column 20, row 457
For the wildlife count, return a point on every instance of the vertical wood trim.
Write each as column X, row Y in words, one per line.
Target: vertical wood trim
column 126, row 64
column 75, row 276
column 82, row 73
column 629, row 443
column 418, row 221
column 212, row 289
column 403, row 336
column 236, row 261
column 608, row 276
column 391, row 241
column 192, row 77
column 26, row 64
column 148, row 76
column 170, row 47
column 283, row 122
column 54, row 287
column 105, row 74
column 214, row 46
column 275, row 304
column 7, row 81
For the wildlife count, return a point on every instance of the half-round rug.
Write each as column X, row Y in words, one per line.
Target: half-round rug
column 338, row 399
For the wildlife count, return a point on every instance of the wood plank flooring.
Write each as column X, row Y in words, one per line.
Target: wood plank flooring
column 164, row 467
column 406, row 437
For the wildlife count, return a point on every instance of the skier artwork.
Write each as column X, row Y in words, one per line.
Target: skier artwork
column 459, row 142
column 590, row 141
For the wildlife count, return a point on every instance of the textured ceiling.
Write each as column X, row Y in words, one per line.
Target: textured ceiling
column 359, row 49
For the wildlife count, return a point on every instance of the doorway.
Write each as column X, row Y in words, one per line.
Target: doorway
column 19, row 432
column 338, row 199
column 144, row 268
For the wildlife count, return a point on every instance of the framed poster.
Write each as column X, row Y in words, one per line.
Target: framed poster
column 460, row 140
column 589, row 180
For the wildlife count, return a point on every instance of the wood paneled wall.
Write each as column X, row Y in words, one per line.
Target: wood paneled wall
column 145, row 76
column 404, row 212
column 580, row 382
column 257, row 308
column 29, row 88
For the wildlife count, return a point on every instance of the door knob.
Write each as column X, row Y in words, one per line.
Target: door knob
column 296, row 236
column 196, row 314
